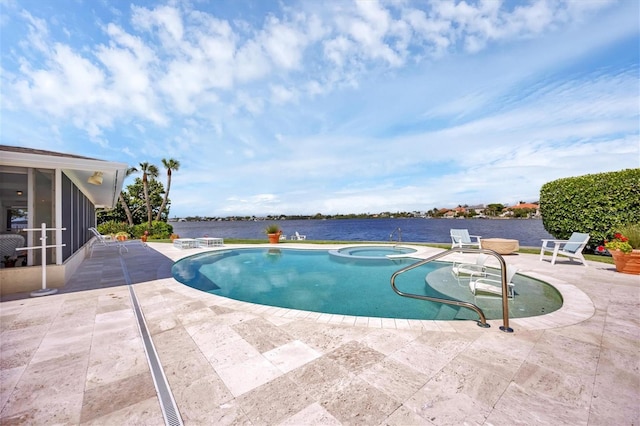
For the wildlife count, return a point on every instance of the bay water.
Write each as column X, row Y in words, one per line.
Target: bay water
column 528, row 232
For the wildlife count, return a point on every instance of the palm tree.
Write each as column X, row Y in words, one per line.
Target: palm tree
column 123, row 202
column 170, row 165
column 152, row 171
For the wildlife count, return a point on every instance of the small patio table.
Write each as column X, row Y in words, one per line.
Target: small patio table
column 183, row 243
column 500, row 245
column 210, row 242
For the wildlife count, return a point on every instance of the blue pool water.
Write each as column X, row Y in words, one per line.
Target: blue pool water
column 313, row 280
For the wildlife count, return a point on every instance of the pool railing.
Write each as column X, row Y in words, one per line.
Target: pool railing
column 483, row 320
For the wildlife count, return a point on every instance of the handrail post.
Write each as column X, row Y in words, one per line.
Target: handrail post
column 399, row 231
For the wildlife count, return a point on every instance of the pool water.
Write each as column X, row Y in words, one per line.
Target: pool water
column 313, row 280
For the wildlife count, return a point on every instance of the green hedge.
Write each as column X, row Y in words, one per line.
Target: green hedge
column 160, row 230
column 595, row 204
column 112, row 227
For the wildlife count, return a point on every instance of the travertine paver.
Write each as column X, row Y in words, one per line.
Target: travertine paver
column 77, row 357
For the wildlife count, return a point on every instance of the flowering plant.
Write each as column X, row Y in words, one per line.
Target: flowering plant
column 619, row 242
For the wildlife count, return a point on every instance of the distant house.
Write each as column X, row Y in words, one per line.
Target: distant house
column 479, row 209
column 509, row 211
column 62, row 191
column 449, row 214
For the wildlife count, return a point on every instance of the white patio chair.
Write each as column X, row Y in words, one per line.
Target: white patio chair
column 461, row 268
column 484, row 286
column 108, row 241
column 104, row 240
column 572, row 248
column 299, row 237
column 461, row 238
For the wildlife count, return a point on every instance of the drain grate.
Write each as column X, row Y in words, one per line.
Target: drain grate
column 167, row 403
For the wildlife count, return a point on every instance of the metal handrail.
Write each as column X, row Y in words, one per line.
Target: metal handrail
column 483, row 321
column 399, row 231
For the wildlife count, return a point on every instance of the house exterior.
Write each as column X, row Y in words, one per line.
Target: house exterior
column 478, row 208
column 62, row 191
column 535, row 208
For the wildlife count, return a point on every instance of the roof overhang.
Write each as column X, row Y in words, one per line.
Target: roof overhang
column 77, row 168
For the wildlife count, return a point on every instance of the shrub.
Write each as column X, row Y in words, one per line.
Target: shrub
column 595, row 204
column 160, row 230
column 112, row 227
column 138, row 230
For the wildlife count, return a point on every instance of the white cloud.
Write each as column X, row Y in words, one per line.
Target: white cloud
column 167, row 19
column 283, row 95
column 359, row 106
column 284, row 44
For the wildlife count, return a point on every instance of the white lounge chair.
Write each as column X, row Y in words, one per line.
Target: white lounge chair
column 107, row 241
column 572, row 248
column 460, row 268
column 297, row 236
column 461, row 238
column 103, row 240
column 483, row 285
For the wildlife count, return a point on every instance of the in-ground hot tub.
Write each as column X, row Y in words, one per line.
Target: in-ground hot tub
column 371, row 252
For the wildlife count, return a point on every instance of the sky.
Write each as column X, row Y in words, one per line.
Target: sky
column 332, row 107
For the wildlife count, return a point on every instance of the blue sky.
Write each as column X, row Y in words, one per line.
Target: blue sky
column 300, row 107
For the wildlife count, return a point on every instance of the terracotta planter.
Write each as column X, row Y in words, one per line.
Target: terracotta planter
column 274, row 238
column 627, row 263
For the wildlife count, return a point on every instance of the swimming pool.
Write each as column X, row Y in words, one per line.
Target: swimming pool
column 314, row 280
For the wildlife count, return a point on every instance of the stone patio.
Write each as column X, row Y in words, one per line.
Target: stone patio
column 78, row 357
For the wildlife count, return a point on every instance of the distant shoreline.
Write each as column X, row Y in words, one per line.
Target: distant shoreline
column 528, row 232
column 341, row 217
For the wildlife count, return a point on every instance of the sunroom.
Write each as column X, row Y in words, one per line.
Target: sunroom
column 61, row 191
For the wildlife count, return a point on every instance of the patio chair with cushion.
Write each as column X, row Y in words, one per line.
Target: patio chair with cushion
column 461, row 238
column 298, row 237
column 572, row 248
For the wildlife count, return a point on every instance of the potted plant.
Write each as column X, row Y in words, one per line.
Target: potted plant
column 122, row 236
column 273, row 231
column 625, row 249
